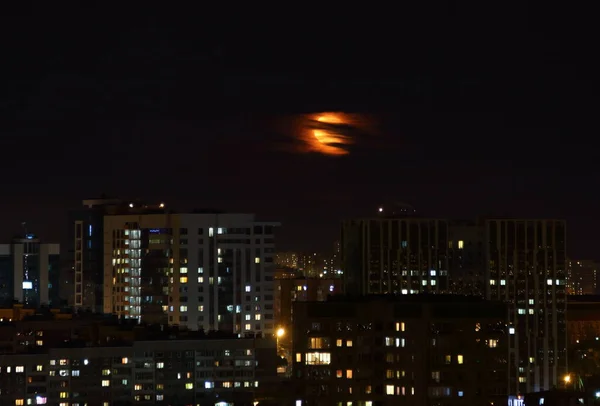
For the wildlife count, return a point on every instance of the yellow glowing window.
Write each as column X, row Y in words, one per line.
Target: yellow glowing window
column 460, row 359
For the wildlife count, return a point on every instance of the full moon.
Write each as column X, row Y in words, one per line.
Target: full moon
column 326, row 129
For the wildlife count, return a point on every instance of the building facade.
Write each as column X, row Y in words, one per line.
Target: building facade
column 211, row 372
column 526, row 267
column 397, row 255
column 207, row 271
column 393, row 350
column 29, row 272
column 86, row 252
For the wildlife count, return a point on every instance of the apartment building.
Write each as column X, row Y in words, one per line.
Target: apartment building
column 201, row 270
column 429, row 350
column 200, row 372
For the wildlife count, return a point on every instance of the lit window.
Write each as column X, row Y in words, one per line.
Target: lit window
column 348, row 374
column 183, row 308
column 460, row 359
column 317, row 358
column 298, row 357
column 432, row 272
column 64, row 395
column 247, row 327
column 400, row 326
column 19, row 369
column 189, row 386
column 502, row 282
column 106, row 372
column 183, row 279
column 124, row 360
column 201, row 279
column 448, row 359
column 183, row 270
column 339, row 342
column 511, row 330
column 339, row 373
column 106, row 382
column 19, row 402
column 493, row 343
column 257, row 317
column 492, row 282
column 389, row 389
column 201, row 308
column 348, row 343
column 257, row 260
column 39, row 368
column 461, row 244
column 160, row 365
column 248, row 288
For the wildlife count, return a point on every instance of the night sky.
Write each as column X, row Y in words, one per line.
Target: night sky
column 471, row 111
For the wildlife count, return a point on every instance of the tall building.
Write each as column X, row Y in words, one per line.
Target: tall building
column 208, row 271
column 394, row 350
column 582, row 277
column 395, row 254
column 29, row 272
column 86, row 247
column 526, row 267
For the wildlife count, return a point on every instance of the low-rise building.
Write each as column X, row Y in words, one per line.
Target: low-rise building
column 193, row 371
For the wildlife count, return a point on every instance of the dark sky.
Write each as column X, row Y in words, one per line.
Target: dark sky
column 478, row 110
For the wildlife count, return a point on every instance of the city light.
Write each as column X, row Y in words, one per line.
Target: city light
column 567, row 378
column 280, row 332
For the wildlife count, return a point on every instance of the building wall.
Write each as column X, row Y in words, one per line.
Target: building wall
column 526, row 267
column 414, row 350
column 395, row 255
column 174, row 372
column 217, row 272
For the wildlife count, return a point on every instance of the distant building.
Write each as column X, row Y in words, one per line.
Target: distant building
column 204, row 270
column 395, row 254
column 582, row 277
column 387, row 350
column 29, row 272
column 583, row 318
column 300, row 289
column 286, row 259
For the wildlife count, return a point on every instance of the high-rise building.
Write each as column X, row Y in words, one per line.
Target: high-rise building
column 395, row 253
column 526, row 267
column 29, row 272
column 86, row 252
column 582, row 277
column 202, row 270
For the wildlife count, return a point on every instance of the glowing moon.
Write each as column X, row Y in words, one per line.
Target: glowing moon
column 329, row 140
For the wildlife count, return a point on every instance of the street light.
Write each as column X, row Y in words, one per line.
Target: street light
column 280, row 332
